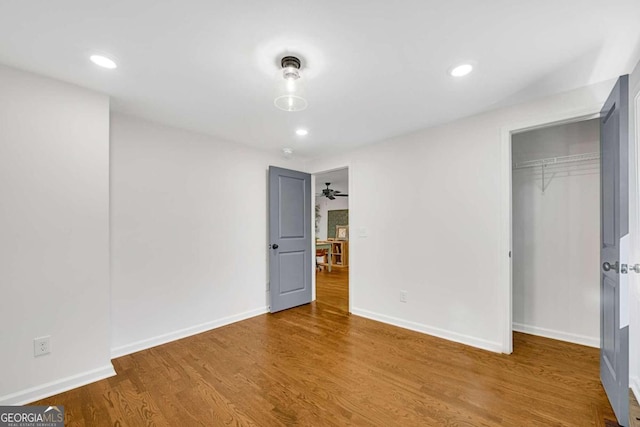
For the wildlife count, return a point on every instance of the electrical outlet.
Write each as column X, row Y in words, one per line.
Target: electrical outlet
column 41, row 346
column 403, row 296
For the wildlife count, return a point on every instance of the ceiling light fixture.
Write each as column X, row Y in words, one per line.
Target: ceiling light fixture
column 461, row 70
column 290, row 91
column 302, row 132
column 103, row 61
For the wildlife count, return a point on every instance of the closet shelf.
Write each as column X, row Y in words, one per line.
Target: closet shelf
column 557, row 160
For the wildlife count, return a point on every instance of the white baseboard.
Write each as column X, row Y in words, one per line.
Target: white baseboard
column 557, row 335
column 59, row 386
column 634, row 384
column 183, row 333
column 495, row 347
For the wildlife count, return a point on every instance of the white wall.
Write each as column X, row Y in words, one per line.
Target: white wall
column 54, row 235
column 634, row 228
column 556, row 235
column 327, row 205
column 438, row 232
column 189, row 232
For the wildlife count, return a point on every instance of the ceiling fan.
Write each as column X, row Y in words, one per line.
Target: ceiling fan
column 332, row 194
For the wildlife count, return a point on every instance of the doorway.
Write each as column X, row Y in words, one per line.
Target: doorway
column 556, row 232
column 332, row 251
column 506, row 170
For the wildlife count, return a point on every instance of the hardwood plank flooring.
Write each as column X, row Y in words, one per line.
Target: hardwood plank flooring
column 634, row 411
column 312, row 365
column 332, row 289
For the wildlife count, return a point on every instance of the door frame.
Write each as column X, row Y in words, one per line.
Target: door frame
column 634, row 236
column 506, row 242
column 348, row 166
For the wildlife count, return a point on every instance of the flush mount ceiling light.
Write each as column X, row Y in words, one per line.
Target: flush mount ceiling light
column 461, row 70
column 290, row 91
column 103, row 61
column 302, row 132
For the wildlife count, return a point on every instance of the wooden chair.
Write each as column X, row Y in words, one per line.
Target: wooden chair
column 321, row 253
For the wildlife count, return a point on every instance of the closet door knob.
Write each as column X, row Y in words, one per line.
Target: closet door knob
column 607, row 266
column 274, row 246
column 635, row 267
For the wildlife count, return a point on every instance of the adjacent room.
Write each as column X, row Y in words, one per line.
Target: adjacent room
column 332, row 239
column 320, row 213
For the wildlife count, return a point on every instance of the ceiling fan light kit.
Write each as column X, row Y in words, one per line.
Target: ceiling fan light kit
column 290, row 92
column 332, row 194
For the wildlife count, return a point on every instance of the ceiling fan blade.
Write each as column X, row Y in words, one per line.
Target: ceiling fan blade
column 341, row 195
column 330, row 196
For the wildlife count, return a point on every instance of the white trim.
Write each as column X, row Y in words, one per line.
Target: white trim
column 505, row 238
column 634, row 384
column 32, row 394
column 557, row 335
column 183, row 333
column 505, row 197
column 634, row 232
column 313, row 240
column 492, row 346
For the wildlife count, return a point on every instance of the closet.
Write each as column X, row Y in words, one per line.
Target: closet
column 556, row 232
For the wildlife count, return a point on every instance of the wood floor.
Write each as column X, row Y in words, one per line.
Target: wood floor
column 332, row 289
column 634, row 411
column 314, row 365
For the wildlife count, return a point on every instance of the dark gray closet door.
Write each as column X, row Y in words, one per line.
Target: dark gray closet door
column 614, row 320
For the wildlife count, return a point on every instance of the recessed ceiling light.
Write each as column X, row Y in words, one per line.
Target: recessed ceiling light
column 461, row 70
column 103, row 61
column 302, row 132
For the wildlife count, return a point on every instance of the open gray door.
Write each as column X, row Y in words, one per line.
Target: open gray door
column 289, row 238
column 614, row 313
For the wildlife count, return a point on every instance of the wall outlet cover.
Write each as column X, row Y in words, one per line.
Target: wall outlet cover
column 41, row 346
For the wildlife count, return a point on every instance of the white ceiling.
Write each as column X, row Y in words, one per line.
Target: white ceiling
column 339, row 180
column 374, row 68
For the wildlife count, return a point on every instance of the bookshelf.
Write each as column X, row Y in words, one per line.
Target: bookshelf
column 339, row 252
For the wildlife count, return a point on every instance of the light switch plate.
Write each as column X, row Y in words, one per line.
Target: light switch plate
column 403, row 296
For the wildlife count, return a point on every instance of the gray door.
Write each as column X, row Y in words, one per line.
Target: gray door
column 614, row 316
column 289, row 238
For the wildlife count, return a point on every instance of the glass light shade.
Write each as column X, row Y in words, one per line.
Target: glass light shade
column 290, row 93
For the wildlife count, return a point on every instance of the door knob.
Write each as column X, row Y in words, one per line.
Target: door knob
column 607, row 267
column 635, row 267
column 274, row 246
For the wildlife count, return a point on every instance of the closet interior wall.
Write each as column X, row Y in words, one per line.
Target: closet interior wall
column 556, row 232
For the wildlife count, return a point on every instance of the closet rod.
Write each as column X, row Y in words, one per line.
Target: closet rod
column 557, row 160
